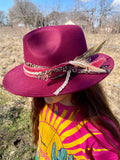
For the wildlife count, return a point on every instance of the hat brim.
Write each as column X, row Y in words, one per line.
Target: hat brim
column 16, row 82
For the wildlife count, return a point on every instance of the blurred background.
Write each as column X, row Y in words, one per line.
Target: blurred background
column 91, row 15
column 100, row 20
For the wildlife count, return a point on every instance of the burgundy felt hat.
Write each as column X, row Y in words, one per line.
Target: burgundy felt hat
column 56, row 62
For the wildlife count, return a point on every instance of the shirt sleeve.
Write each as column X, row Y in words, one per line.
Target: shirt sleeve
column 103, row 150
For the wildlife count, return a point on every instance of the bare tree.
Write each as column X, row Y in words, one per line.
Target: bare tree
column 53, row 18
column 63, row 18
column 79, row 18
column 86, row 13
column 40, row 20
column 115, row 23
column 104, row 11
column 56, row 18
column 56, row 6
column 24, row 12
column 2, row 18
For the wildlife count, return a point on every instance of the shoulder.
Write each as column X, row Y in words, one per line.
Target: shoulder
column 100, row 142
column 98, row 134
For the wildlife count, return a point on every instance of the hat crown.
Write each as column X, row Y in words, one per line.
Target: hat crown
column 52, row 45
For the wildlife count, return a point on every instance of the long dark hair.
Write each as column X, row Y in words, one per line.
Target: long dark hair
column 95, row 108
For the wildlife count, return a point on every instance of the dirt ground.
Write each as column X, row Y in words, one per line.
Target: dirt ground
column 15, row 131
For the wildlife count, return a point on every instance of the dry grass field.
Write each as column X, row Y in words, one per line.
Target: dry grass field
column 12, row 107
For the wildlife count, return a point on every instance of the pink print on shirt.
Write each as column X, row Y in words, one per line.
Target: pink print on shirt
column 61, row 137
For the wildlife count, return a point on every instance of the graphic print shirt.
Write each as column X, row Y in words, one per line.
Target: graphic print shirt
column 62, row 136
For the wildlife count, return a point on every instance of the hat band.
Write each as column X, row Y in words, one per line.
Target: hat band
column 44, row 73
column 75, row 67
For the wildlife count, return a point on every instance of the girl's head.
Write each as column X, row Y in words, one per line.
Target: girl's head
column 57, row 62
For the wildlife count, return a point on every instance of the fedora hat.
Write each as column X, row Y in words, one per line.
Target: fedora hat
column 57, row 62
